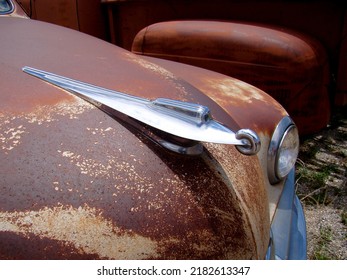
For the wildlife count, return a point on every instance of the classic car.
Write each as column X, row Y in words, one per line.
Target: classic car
column 292, row 50
column 106, row 154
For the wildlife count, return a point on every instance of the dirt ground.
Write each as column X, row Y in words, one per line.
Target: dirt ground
column 322, row 189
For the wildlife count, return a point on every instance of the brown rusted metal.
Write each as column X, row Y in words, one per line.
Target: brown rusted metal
column 237, row 98
column 291, row 67
column 247, row 105
column 76, row 183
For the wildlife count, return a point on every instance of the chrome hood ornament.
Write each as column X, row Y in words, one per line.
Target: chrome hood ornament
column 188, row 121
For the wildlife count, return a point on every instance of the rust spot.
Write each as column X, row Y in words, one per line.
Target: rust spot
column 247, row 180
column 13, row 127
column 246, row 105
column 82, row 227
column 10, row 137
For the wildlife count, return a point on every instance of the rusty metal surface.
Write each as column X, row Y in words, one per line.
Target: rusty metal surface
column 239, row 99
column 76, row 183
column 247, row 105
column 291, row 67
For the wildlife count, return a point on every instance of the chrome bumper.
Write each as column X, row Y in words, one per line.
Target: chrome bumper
column 288, row 228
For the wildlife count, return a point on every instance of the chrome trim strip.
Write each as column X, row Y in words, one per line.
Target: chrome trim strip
column 182, row 119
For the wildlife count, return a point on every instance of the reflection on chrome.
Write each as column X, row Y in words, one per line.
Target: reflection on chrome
column 283, row 150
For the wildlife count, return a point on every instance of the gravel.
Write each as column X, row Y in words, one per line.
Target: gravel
column 322, row 189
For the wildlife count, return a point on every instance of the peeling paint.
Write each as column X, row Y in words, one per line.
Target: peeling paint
column 47, row 114
column 84, row 228
column 87, row 166
column 136, row 189
column 236, row 90
column 151, row 66
column 14, row 127
column 10, row 137
column 178, row 86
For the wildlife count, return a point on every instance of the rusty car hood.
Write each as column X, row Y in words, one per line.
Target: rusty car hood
column 76, row 183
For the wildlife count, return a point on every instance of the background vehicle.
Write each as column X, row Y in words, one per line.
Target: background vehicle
column 87, row 180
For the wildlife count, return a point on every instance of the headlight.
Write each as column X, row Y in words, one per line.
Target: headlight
column 283, row 150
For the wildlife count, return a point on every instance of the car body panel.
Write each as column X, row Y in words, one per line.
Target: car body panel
column 76, row 179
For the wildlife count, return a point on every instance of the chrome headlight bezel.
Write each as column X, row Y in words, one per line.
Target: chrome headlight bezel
column 283, row 148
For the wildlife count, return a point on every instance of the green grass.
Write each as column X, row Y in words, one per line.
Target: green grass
column 344, row 218
column 322, row 250
column 316, row 179
column 321, row 172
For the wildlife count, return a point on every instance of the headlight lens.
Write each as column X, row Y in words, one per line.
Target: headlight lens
column 283, row 150
column 287, row 152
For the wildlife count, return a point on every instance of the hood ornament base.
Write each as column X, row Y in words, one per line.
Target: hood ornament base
column 183, row 120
